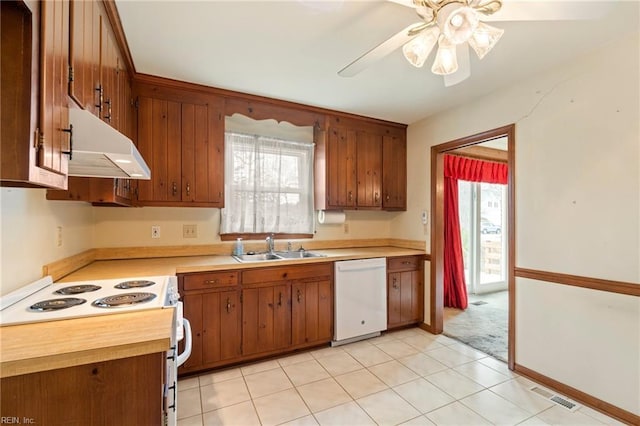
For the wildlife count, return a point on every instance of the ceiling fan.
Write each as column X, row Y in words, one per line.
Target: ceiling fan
column 456, row 25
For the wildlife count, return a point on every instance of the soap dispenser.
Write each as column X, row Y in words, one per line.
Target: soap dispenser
column 238, row 249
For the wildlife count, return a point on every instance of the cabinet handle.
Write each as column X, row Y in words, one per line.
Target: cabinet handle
column 188, row 189
column 108, row 115
column 299, row 295
column 376, row 197
column 406, row 262
column 395, row 283
column 228, row 305
column 100, row 91
column 280, row 299
column 211, row 281
column 350, row 195
column 175, row 189
column 387, row 198
column 70, row 131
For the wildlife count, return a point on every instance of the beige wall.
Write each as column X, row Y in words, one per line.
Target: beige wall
column 28, row 233
column 577, row 177
column 118, row 227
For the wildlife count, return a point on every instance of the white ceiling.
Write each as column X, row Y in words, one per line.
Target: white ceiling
column 292, row 50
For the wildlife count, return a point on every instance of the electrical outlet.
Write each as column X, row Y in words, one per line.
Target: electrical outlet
column 155, row 231
column 189, row 231
column 59, row 236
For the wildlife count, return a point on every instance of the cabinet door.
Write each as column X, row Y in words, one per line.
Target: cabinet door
column 221, row 326
column 341, row 168
column 266, row 318
column 369, row 169
column 159, row 133
column 202, row 154
column 84, row 54
column 407, row 296
column 193, row 312
column 312, row 312
column 394, row 173
column 108, row 89
column 54, row 75
column 394, row 298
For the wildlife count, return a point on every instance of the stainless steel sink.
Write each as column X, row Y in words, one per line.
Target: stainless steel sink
column 300, row 254
column 279, row 255
column 256, row 257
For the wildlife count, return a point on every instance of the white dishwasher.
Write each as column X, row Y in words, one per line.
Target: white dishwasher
column 360, row 299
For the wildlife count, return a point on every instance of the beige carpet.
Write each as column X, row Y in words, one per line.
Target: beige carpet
column 483, row 325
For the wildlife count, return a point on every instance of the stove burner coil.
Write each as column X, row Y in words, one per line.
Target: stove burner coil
column 56, row 304
column 77, row 289
column 134, row 284
column 122, row 300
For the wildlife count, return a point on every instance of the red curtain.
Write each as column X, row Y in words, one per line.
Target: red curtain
column 456, row 168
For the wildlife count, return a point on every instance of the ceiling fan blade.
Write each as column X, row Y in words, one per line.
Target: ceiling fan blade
column 464, row 66
column 407, row 3
column 381, row 50
column 549, row 11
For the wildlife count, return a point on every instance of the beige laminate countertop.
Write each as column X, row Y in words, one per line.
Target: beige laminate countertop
column 50, row 345
column 105, row 269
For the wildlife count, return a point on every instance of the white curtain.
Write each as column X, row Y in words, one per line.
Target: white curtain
column 268, row 185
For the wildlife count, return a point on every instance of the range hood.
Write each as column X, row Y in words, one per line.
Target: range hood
column 99, row 150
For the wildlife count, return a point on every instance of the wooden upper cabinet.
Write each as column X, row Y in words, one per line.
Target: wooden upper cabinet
column 369, row 166
column 54, row 138
column 183, row 143
column 33, row 104
column 350, row 161
column 394, row 173
column 84, row 58
column 108, row 87
column 341, row 168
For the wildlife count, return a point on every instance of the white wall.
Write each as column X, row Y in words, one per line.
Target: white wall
column 577, row 177
column 28, row 233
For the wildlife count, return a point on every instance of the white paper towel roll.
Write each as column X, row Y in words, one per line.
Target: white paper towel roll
column 331, row 218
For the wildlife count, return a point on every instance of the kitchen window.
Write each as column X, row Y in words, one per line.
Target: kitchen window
column 268, row 185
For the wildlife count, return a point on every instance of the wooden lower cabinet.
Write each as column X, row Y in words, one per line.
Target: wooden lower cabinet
column 212, row 306
column 311, row 312
column 266, row 318
column 215, row 327
column 126, row 391
column 239, row 316
column 405, row 291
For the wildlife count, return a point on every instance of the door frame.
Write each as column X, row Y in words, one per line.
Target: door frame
column 437, row 228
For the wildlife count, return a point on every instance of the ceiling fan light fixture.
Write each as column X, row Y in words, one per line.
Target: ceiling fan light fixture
column 459, row 24
column 417, row 50
column 484, row 38
column 446, row 60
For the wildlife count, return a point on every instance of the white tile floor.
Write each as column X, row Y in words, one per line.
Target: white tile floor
column 407, row 377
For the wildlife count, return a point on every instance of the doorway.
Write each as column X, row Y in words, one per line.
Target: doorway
column 501, row 273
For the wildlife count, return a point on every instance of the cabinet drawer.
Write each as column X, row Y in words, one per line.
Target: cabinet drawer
column 210, row 280
column 407, row 263
column 281, row 273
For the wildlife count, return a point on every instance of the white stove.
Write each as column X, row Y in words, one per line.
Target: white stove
column 45, row 301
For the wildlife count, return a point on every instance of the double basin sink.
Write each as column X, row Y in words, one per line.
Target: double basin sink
column 276, row 255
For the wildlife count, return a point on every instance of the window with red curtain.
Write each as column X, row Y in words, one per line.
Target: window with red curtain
column 469, row 169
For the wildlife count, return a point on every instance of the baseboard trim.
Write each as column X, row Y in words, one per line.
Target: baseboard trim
column 582, row 397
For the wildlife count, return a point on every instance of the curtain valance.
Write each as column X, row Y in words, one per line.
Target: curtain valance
column 473, row 170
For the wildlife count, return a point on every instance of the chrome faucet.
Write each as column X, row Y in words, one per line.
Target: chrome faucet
column 270, row 243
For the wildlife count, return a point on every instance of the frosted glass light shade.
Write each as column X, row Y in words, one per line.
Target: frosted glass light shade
column 460, row 24
column 446, row 60
column 484, row 38
column 417, row 50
